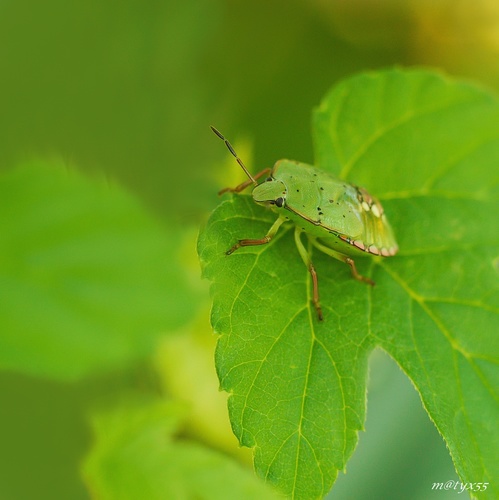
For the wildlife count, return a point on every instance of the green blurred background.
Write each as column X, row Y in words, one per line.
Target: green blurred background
column 128, row 89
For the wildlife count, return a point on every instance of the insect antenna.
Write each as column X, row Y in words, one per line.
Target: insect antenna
column 234, row 154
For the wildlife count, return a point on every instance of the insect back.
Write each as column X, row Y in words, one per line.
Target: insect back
column 339, row 219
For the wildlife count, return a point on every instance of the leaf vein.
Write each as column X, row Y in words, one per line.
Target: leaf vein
column 380, row 132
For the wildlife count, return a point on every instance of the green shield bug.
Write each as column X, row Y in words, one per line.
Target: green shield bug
column 340, row 219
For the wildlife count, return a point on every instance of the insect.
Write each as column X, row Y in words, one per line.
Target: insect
column 340, row 219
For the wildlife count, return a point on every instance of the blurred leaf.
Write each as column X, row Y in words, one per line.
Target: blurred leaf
column 136, row 456
column 184, row 361
column 87, row 277
column 428, row 147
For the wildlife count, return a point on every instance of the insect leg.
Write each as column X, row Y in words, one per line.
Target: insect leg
column 262, row 241
column 345, row 259
column 244, row 184
column 308, row 262
column 356, row 274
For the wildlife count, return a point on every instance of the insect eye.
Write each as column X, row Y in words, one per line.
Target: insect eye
column 268, row 179
column 279, row 202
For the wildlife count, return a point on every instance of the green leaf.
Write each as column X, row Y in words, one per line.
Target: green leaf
column 137, row 455
column 428, row 148
column 88, row 278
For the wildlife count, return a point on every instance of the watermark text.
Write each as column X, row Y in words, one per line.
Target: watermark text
column 459, row 486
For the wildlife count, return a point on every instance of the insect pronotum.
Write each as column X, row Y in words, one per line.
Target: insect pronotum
column 340, row 219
